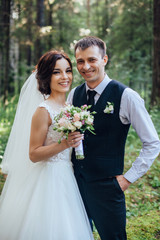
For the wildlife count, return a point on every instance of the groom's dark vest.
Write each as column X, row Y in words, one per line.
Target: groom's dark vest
column 104, row 152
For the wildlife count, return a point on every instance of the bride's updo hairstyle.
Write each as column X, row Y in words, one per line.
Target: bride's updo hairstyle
column 45, row 67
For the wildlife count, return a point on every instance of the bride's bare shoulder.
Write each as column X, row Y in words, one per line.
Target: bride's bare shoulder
column 41, row 116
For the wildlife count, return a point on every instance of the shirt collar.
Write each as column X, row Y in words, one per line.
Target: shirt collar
column 99, row 89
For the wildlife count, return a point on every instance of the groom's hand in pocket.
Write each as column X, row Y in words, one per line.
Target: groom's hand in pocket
column 123, row 182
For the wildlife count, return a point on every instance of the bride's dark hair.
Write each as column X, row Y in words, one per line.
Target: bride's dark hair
column 45, row 67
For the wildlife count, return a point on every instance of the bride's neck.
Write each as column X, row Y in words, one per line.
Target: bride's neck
column 58, row 99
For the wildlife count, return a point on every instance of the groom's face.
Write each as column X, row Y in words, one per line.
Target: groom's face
column 90, row 65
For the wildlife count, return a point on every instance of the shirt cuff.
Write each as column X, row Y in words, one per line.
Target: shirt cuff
column 131, row 176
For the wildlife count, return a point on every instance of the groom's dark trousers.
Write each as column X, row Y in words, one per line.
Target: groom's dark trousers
column 104, row 159
column 105, row 204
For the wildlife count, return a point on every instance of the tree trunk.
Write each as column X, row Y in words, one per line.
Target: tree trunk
column 29, row 32
column 105, row 23
column 50, row 23
column 13, row 56
column 40, row 23
column 60, row 30
column 1, row 47
column 19, row 67
column 6, row 27
column 155, row 96
column 97, row 19
column 61, row 22
column 88, row 14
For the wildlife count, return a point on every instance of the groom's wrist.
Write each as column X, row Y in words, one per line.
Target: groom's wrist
column 123, row 182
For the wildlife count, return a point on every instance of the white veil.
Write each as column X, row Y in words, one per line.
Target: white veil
column 16, row 156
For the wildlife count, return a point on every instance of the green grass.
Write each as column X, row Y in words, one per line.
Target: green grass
column 144, row 227
column 142, row 197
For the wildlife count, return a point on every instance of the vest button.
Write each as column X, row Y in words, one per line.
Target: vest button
column 81, row 167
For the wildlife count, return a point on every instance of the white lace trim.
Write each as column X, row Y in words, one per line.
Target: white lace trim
column 50, row 111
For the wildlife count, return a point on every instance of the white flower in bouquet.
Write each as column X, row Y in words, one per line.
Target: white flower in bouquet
column 71, row 127
column 84, row 114
column 78, row 124
column 89, row 120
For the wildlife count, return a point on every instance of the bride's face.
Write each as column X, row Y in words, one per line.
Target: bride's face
column 62, row 76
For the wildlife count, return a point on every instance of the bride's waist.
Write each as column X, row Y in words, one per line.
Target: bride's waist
column 64, row 156
column 59, row 162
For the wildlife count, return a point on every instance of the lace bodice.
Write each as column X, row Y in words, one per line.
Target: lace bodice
column 54, row 136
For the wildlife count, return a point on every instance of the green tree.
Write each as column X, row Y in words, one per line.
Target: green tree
column 6, row 10
column 131, row 44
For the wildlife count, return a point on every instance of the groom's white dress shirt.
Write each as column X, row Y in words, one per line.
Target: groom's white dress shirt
column 133, row 111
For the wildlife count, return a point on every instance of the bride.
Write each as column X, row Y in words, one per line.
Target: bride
column 40, row 199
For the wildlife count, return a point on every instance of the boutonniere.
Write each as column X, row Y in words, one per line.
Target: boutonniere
column 109, row 107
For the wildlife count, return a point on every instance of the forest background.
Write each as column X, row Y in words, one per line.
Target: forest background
column 131, row 30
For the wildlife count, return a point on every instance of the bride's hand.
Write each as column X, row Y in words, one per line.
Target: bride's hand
column 74, row 139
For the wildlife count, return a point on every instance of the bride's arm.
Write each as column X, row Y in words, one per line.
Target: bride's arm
column 39, row 128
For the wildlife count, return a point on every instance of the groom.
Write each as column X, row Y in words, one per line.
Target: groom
column 100, row 175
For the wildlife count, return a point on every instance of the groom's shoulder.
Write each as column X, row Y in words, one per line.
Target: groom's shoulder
column 80, row 86
column 75, row 90
column 118, row 84
column 117, row 88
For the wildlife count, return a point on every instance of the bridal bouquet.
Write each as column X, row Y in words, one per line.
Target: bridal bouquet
column 71, row 119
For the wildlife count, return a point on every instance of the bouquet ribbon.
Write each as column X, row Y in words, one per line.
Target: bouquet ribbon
column 79, row 151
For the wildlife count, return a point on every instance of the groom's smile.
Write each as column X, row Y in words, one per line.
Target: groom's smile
column 88, row 74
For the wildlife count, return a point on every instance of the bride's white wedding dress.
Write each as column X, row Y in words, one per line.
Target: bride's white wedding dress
column 45, row 203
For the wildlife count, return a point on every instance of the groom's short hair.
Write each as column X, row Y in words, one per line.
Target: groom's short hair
column 90, row 41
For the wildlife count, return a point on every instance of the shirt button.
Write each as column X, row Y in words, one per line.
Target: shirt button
column 81, row 167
